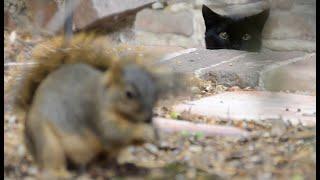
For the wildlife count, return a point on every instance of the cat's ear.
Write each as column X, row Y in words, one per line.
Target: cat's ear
column 261, row 18
column 210, row 18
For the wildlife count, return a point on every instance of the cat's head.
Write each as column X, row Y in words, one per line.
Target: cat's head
column 241, row 33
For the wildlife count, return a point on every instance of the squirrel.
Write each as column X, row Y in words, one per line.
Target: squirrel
column 86, row 98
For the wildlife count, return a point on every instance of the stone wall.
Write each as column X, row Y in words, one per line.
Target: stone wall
column 291, row 25
column 176, row 25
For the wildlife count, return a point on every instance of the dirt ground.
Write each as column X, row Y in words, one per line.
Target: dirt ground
column 271, row 152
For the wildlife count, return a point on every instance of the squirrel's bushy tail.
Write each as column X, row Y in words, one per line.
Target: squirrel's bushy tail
column 90, row 49
column 96, row 51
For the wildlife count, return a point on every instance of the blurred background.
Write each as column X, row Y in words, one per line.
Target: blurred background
column 291, row 25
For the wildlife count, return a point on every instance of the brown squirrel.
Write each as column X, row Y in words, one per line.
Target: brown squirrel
column 86, row 98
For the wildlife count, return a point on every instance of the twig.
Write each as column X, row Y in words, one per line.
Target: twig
column 172, row 126
column 19, row 64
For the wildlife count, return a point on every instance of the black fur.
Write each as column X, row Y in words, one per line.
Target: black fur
column 234, row 30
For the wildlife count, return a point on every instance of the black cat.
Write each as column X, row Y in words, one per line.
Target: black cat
column 242, row 33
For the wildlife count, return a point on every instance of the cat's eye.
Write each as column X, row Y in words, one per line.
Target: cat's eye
column 246, row 37
column 223, row 35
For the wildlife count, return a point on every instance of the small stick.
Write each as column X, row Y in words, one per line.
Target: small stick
column 173, row 126
column 20, row 64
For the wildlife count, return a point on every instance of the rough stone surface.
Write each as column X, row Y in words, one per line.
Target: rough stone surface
column 173, row 39
column 255, row 105
column 290, row 31
column 158, row 52
column 8, row 23
column 232, row 67
column 289, row 45
column 282, row 4
column 180, row 23
column 157, row 5
column 300, row 75
column 28, row 14
column 97, row 12
column 152, row 39
column 171, row 2
column 41, row 11
column 12, row 10
column 291, row 25
column 238, row 8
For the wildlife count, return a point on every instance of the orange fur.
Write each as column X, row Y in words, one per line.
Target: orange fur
column 91, row 49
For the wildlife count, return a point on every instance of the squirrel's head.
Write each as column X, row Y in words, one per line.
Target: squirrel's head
column 130, row 90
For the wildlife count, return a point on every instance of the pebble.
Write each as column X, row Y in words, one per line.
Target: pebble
column 180, row 177
column 33, row 170
column 12, row 120
column 13, row 37
column 195, row 148
column 256, row 159
column 220, row 88
column 284, row 138
column 29, row 178
column 21, row 150
column 157, row 5
column 265, row 176
column 195, row 90
column 277, row 131
column 300, row 142
column 243, row 140
column 191, row 173
column 251, row 148
column 84, row 177
column 151, row 148
column 234, row 88
column 236, row 164
column 266, row 135
column 209, row 87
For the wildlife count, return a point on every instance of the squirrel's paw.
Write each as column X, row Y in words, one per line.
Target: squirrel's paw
column 150, row 134
column 145, row 133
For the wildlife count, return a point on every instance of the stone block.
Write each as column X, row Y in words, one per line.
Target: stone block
column 180, row 23
column 282, row 4
column 296, row 76
column 106, row 14
column 256, row 106
column 231, row 67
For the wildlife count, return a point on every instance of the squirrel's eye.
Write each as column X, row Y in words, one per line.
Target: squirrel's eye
column 129, row 94
column 246, row 37
column 223, row 35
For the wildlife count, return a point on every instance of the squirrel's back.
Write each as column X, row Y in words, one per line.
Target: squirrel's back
column 90, row 49
column 67, row 96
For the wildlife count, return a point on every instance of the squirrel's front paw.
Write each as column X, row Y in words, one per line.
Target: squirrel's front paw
column 150, row 134
column 145, row 133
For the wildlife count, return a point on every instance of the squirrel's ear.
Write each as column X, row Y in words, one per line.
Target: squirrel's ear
column 114, row 74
